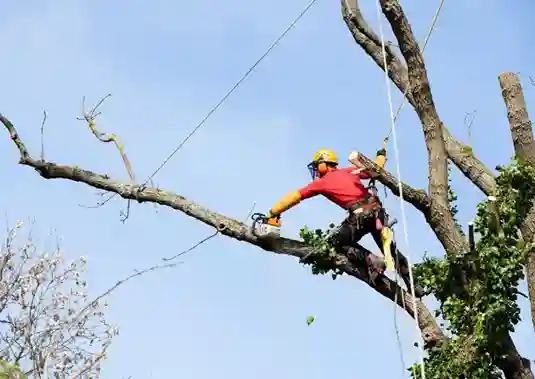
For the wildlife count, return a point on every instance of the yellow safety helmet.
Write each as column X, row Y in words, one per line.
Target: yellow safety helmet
column 321, row 161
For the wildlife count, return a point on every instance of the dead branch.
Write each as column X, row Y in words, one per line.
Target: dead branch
column 524, row 144
column 43, row 136
column 90, row 118
column 431, row 333
column 370, row 42
column 469, row 120
column 460, row 154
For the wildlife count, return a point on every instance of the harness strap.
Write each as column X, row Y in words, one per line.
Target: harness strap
column 366, row 203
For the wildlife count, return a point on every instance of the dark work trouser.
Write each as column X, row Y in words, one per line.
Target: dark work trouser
column 354, row 228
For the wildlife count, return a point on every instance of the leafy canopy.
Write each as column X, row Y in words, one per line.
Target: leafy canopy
column 476, row 290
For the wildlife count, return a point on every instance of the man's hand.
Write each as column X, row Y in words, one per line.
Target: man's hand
column 270, row 215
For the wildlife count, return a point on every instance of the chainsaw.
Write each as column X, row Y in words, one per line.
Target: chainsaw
column 263, row 227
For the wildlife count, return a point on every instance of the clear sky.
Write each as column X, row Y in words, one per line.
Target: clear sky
column 233, row 310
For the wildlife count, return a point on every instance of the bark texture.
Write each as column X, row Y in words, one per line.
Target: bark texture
column 411, row 79
column 524, row 144
column 409, row 74
column 460, row 154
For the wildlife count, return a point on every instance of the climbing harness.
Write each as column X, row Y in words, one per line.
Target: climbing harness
column 374, row 209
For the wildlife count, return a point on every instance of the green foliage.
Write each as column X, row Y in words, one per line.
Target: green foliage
column 9, row 371
column 477, row 290
column 452, row 198
column 323, row 258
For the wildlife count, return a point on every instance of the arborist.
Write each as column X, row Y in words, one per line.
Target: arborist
column 344, row 187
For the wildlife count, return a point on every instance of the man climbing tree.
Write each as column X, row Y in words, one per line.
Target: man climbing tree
column 343, row 186
column 475, row 282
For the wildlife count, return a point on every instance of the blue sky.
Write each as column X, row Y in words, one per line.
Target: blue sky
column 233, row 310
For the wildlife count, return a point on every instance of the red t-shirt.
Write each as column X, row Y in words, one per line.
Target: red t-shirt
column 340, row 186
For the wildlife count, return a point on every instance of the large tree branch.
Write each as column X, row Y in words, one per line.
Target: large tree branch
column 524, row 144
column 431, row 332
column 513, row 365
column 461, row 155
column 439, row 217
column 437, row 141
column 368, row 40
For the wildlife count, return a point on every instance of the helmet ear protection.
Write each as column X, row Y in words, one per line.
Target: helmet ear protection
column 322, row 161
column 322, row 168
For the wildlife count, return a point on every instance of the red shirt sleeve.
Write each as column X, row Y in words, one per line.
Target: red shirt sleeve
column 313, row 189
column 362, row 175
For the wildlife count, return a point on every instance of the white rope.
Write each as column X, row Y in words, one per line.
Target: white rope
column 400, row 187
column 232, row 89
column 398, row 336
column 398, row 111
column 429, row 33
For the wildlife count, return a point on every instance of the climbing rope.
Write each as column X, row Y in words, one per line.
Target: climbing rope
column 232, row 89
column 392, row 133
column 223, row 99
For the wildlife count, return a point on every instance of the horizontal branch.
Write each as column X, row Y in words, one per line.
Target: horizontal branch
column 225, row 225
column 417, row 197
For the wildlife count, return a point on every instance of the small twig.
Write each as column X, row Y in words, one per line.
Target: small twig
column 530, row 78
column 205, row 239
column 125, row 215
column 100, row 356
column 43, row 136
column 469, row 119
column 100, row 203
column 90, row 117
column 123, row 281
column 522, row 294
